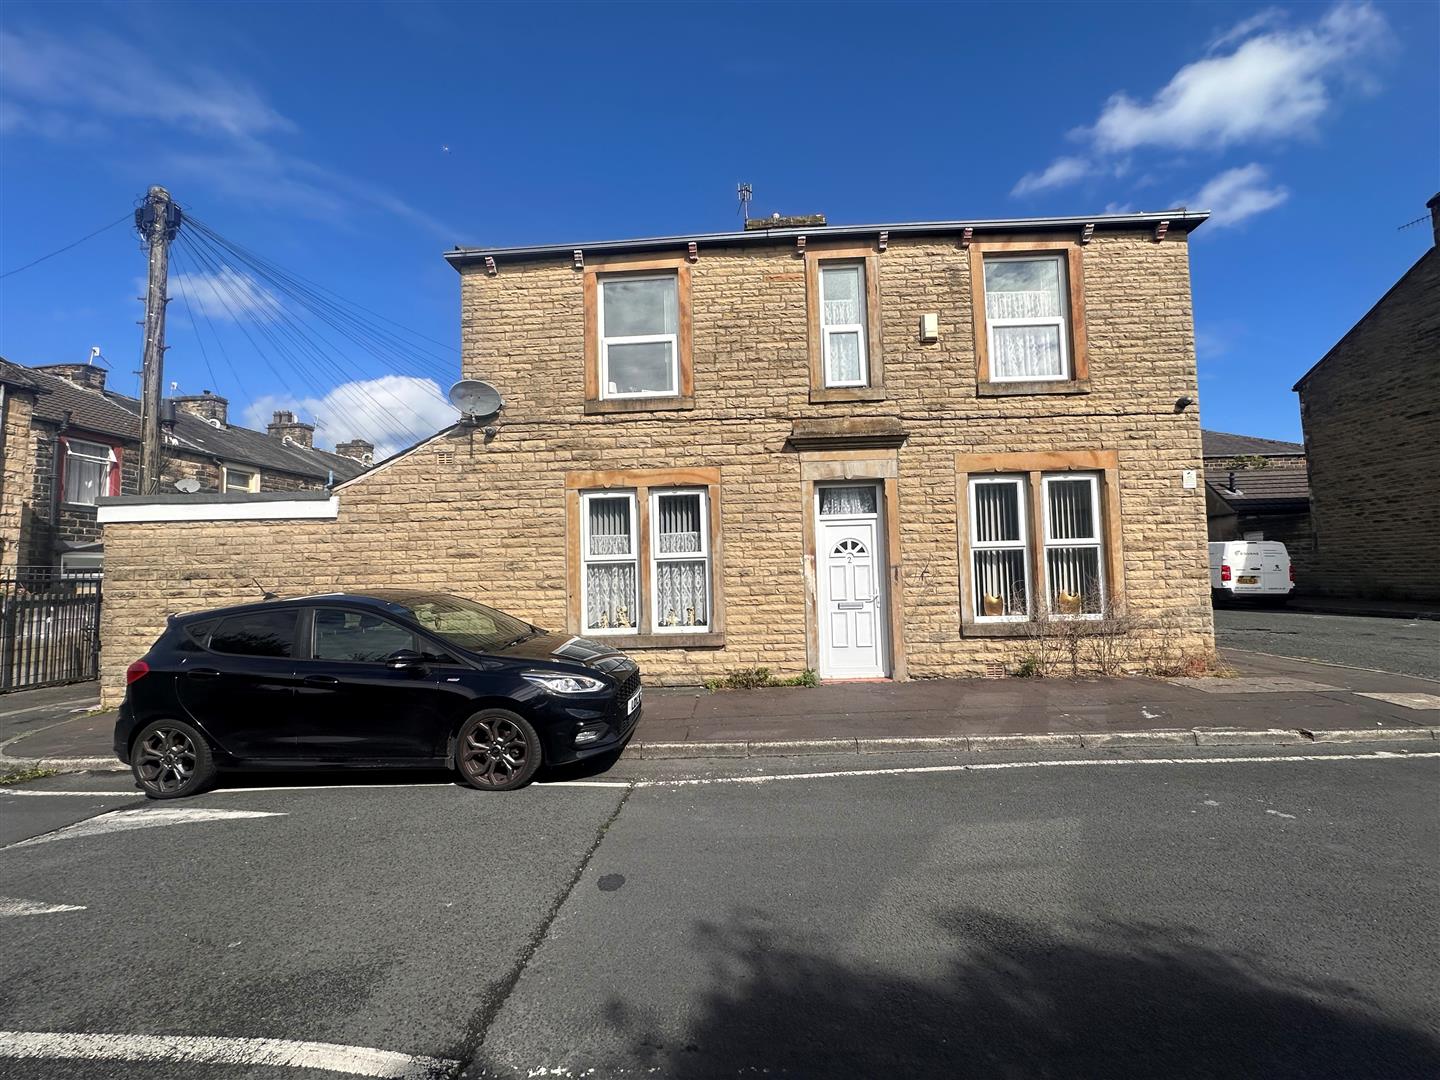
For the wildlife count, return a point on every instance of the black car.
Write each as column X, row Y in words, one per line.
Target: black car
column 389, row 678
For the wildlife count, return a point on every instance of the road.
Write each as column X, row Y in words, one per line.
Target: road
column 1265, row 912
column 1402, row 646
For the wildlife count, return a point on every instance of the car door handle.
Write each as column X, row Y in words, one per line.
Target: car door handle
column 321, row 680
column 202, row 673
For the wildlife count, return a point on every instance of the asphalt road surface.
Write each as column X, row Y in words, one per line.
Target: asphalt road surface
column 1402, row 646
column 1210, row 913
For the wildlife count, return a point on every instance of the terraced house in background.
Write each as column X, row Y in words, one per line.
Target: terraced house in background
column 878, row 451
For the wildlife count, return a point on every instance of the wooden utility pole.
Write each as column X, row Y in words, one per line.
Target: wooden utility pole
column 157, row 221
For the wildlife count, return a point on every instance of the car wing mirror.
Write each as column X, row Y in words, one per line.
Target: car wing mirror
column 405, row 660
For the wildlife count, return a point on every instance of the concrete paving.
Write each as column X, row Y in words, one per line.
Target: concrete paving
column 1125, row 913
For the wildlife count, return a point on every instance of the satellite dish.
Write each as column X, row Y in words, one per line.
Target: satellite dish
column 475, row 398
column 189, row 485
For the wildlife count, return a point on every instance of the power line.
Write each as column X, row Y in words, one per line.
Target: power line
column 67, row 247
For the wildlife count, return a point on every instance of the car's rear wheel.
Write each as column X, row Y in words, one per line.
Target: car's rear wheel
column 170, row 760
column 496, row 750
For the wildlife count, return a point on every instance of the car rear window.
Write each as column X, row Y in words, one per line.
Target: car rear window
column 260, row 633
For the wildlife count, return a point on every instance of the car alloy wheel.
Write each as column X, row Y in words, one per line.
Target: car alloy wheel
column 497, row 751
column 171, row 759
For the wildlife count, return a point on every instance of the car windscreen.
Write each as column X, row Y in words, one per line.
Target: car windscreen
column 466, row 624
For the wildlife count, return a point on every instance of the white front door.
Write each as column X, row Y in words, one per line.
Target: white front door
column 849, row 568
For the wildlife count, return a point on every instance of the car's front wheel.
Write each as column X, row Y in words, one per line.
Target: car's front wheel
column 496, row 750
column 170, row 760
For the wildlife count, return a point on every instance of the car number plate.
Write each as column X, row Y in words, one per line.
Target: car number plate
column 1249, row 579
column 633, row 703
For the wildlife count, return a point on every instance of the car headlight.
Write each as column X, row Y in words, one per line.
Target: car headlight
column 566, row 684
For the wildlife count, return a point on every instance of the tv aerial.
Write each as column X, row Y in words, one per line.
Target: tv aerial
column 477, row 401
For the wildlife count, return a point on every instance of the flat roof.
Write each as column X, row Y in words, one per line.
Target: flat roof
column 1180, row 219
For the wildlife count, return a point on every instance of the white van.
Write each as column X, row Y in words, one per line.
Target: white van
column 1250, row 568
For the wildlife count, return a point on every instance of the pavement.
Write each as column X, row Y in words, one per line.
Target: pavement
column 1407, row 646
column 1270, row 700
column 1133, row 913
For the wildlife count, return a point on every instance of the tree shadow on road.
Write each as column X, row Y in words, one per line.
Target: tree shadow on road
column 1019, row 1000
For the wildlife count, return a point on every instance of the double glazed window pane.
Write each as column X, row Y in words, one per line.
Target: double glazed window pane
column 997, row 513
column 641, row 367
column 1025, row 310
column 842, row 323
column 1074, row 574
column 678, row 524
column 85, row 480
column 1000, row 582
column 610, row 527
column 640, row 307
column 841, row 501
column 681, row 593
column 1072, row 547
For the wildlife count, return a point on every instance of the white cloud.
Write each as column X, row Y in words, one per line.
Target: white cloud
column 227, row 294
column 1275, row 84
column 1059, row 173
column 392, row 412
column 1262, row 81
column 1237, row 194
column 96, row 72
column 91, row 85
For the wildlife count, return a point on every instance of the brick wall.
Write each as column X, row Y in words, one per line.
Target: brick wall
column 1371, row 414
column 486, row 518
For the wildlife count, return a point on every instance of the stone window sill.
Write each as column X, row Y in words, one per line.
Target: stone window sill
column 645, row 404
column 1021, row 389
column 660, row 641
column 824, row 394
column 997, row 630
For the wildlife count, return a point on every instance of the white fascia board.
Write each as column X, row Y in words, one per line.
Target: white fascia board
column 306, row 509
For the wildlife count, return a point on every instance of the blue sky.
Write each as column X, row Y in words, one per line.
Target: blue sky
column 352, row 144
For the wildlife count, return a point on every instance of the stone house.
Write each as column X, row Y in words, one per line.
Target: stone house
column 1370, row 409
column 69, row 441
column 1258, row 489
column 875, row 451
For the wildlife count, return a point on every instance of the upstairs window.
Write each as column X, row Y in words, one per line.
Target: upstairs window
column 1025, row 313
column 842, row 323
column 639, row 336
column 90, row 470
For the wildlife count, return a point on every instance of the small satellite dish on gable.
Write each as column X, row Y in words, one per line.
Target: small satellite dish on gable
column 189, row 485
column 476, row 400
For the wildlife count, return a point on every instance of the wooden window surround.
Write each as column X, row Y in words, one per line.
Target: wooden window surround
column 1079, row 380
column 866, row 254
column 1105, row 464
column 820, row 466
column 642, row 482
column 594, row 270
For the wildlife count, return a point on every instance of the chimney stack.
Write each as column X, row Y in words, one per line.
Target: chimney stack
column 206, row 406
column 358, row 449
column 90, row 376
column 284, row 425
column 1434, row 207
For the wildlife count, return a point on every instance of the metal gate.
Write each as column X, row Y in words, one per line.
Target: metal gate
column 49, row 629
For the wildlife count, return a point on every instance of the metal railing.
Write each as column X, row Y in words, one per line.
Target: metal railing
column 49, row 628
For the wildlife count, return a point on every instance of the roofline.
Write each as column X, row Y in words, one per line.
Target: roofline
column 1362, row 320
column 1180, row 220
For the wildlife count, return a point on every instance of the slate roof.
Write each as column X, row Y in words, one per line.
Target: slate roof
column 15, row 375
column 1258, row 490
column 1223, row 444
column 118, row 416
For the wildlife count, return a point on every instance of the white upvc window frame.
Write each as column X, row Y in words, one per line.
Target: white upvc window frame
column 860, row 329
column 977, row 602
column 587, row 560
column 637, row 339
column 82, row 565
column 251, row 486
column 1061, row 322
column 656, row 558
column 1095, row 541
column 103, row 453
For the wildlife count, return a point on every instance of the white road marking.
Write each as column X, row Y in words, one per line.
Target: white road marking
column 1375, row 755
column 1277, row 813
column 10, row 907
column 214, row 1050
column 125, row 820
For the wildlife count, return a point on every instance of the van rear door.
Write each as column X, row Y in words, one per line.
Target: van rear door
column 1246, row 567
column 1275, row 567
